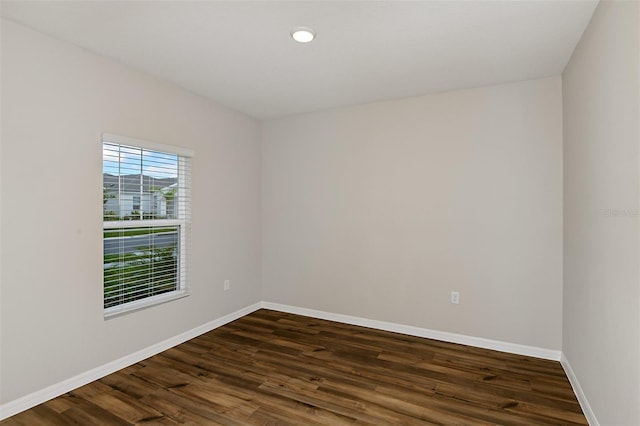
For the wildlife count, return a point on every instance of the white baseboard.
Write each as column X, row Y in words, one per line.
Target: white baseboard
column 497, row 345
column 16, row 406
column 577, row 389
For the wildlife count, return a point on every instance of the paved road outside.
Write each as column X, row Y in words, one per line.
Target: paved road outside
column 113, row 245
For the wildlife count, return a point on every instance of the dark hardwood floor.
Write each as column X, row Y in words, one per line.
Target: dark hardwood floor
column 272, row 368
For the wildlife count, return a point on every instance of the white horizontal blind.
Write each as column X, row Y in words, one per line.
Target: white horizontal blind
column 146, row 223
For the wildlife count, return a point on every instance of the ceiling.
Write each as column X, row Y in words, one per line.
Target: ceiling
column 240, row 53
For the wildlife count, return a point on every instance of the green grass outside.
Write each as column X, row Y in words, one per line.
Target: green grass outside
column 137, row 275
column 140, row 272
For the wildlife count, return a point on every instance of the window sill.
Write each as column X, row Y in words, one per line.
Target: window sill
column 137, row 305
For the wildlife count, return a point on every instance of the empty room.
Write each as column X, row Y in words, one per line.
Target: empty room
column 320, row 212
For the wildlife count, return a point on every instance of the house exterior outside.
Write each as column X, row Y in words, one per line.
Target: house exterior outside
column 138, row 196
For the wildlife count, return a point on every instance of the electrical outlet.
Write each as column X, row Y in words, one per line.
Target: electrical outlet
column 227, row 285
column 455, row 297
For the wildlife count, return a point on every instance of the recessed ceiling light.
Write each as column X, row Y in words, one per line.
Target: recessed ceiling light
column 302, row 34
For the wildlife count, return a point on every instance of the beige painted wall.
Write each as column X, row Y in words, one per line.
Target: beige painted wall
column 381, row 210
column 601, row 314
column 56, row 102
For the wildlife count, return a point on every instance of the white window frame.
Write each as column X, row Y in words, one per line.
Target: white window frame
column 183, row 222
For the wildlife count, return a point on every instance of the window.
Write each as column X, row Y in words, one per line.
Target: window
column 146, row 222
column 136, row 202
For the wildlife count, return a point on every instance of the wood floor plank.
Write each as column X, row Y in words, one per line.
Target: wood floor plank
column 274, row 368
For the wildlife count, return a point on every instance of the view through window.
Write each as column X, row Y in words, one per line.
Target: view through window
column 145, row 223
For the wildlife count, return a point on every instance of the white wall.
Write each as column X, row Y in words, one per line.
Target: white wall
column 56, row 101
column 379, row 211
column 601, row 314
